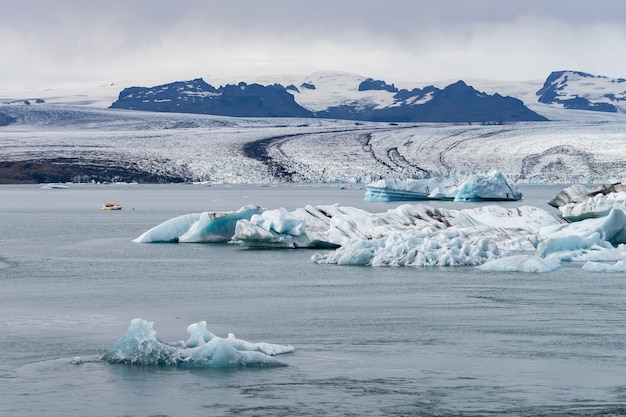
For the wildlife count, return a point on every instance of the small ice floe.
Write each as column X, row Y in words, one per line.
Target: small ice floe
column 140, row 346
column 54, row 187
column 591, row 266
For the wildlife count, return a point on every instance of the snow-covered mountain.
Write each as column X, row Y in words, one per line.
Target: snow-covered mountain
column 582, row 91
column 330, row 96
column 67, row 134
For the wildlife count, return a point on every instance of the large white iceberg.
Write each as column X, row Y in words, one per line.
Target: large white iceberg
column 354, row 229
column 446, row 248
column 526, row 239
column 198, row 227
column 140, row 346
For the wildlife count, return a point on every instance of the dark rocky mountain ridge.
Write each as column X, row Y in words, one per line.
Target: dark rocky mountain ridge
column 457, row 102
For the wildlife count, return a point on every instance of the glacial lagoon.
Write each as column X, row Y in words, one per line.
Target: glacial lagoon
column 367, row 340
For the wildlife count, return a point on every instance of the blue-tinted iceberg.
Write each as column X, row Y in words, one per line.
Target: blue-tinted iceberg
column 493, row 186
column 404, row 190
column 140, row 346
column 590, row 239
column 198, row 227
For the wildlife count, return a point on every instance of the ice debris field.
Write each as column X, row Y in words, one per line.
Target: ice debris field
column 591, row 230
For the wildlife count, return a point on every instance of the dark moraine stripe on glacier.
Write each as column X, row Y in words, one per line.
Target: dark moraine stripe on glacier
column 259, row 149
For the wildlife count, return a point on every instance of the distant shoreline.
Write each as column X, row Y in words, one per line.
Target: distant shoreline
column 65, row 169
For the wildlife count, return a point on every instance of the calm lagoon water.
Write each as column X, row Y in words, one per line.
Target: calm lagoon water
column 369, row 341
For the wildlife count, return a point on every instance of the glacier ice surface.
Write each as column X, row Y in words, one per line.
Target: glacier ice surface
column 140, row 346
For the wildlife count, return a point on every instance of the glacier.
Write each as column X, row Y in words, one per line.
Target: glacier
column 71, row 129
column 152, row 147
column 139, row 345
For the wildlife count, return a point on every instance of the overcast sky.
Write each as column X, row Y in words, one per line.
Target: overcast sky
column 61, row 41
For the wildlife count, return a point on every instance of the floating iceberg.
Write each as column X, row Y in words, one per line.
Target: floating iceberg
column 404, row 190
column 140, row 346
column 336, row 226
column 54, row 187
column 598, row 205
column 591, row 266
column 447, row 248
column 590, row 239
column 421, row 235
column 494, row 186
column 573, row 194
column 577, row 202
column 198, row 227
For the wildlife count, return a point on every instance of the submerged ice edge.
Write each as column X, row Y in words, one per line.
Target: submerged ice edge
column 140, row 346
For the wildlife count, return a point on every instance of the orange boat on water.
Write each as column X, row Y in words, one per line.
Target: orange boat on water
column 110, row 206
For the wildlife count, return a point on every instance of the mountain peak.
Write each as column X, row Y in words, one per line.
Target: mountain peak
column 583, row 91
column 332, row 95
